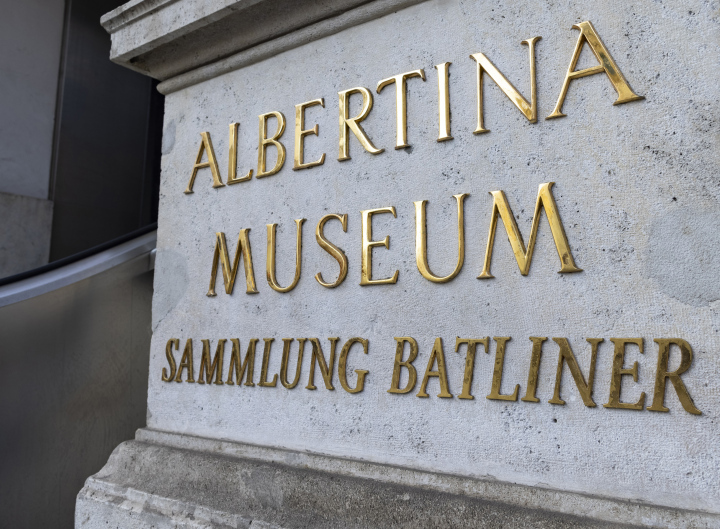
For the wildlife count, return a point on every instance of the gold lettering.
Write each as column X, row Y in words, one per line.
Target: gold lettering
column 607, row 66
column 230, row 272
column 342, row 366
column 502, row 209
column 368, row 244
column 264, row 371
column 270, row 268
column 207, row 147
column 333, row 250
column 443, row 101
column 326, row 369
column 421, row 240
column 172, row 342
column 567, row 356
column 232, row 158
column 662, row 375
column 265, row 141
column 530, row 393
column 284, row 364
column 498, row 372
column 212, row 368
column 407, row 364
column 529, row 110
column 618, row 371
column 186, row 362
column 400, row 82
column 301, row 132
column 470, row 362
column 353, row 124
column 237, row 368
column 438, row 356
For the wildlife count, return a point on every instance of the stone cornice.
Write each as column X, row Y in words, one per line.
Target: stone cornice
column 184, row 42
column 130, row 12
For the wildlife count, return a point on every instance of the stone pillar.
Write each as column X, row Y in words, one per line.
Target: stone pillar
column 486, row 295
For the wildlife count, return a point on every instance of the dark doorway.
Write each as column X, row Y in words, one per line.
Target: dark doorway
column 106, row 169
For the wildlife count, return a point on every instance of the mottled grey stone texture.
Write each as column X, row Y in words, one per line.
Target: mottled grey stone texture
column 165, row 38
column 25, row 235
column 637, row 191
column 268, row 495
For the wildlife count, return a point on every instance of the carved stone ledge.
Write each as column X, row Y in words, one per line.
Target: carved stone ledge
column 227, row 484
column 167, row 38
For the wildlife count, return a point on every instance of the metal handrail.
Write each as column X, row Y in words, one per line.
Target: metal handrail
column 78, row 267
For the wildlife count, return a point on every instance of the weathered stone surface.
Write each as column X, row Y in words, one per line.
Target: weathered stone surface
column 25, row 236
column 637, row 191
column 165, row 39
column 227, row 484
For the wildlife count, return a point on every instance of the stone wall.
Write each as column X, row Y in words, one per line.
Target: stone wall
column 634, row 187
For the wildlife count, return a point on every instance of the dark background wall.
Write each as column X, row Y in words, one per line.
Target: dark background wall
column 106, row 166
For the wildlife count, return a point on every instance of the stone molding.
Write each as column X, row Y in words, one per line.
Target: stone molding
column 131, row 12
column 182, row 42
column 273, row 47
column 139, row 27
column 263, row 486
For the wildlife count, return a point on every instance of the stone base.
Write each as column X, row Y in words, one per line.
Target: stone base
column 165, row 480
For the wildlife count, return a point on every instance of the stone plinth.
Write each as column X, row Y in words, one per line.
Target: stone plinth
column 623, row 268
